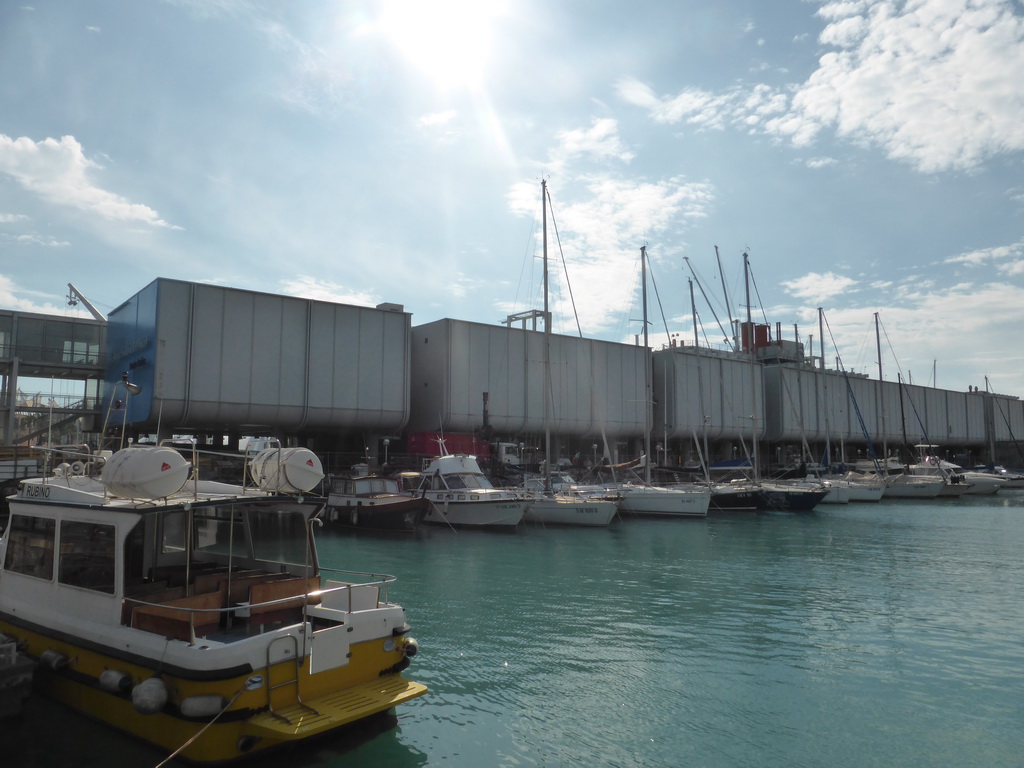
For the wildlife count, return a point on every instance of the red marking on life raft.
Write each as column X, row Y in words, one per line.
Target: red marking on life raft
column 164, row 467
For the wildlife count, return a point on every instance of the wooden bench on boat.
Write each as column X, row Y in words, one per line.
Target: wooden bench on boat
column 264, row 592
column 177, row 619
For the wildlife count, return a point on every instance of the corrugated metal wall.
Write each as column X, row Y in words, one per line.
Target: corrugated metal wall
column 226, row 358
column 706, row 389
column 596, row 385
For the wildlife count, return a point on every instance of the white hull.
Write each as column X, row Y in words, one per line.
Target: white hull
column 667, row 502
column 866, row 491
column 495, row 512
column 983, row 484
column 914, row 488
column 838, row 493
column 566, row 510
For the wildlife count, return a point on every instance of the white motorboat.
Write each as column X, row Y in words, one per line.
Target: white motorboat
column 461, row 495
column 973, row 483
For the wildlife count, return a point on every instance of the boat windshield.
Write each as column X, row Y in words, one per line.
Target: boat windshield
column 365, row 485
column 268, row 534
column 467, row 480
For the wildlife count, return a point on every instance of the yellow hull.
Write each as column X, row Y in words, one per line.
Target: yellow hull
column 299, row 707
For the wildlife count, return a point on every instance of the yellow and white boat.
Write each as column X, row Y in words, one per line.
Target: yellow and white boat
column 194, row 614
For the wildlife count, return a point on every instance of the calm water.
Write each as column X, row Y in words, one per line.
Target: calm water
column 855, row 635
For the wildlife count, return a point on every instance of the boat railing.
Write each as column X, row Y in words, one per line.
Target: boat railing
column 276, row 599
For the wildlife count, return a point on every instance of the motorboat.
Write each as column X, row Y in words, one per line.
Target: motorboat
column 194, row 614
column 461, row 495
column 1011, row 480
column 374, row 503
column 971, row 482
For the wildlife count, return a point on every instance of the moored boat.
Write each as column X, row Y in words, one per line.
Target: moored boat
column 369, row 502
column 194, row 614
column 655, row 501
column 567, row 509
column 791, row 497
column 461, row 495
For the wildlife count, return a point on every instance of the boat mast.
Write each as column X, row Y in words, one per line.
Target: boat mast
column 749, row 338
column 728, row 306
column 547, row 343
column 826, row 406
column 705, row 458
column 647, row 370
column 881, row 394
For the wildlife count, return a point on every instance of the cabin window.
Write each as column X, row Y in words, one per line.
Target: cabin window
column 219, row 530
column 279, row 536
column 30, row 546
column 172, row 533
column 87, row 556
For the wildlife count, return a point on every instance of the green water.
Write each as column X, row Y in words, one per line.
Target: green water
column 856, row 635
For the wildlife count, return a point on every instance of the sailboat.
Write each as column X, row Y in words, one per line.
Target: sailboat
column 641, row 497
column 775, row 495
column 548, row 507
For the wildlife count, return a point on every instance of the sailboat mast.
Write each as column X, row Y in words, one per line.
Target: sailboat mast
column 753, row 377
column 705, row 457
column 547, row 342
column 881, row 392
column 728, row 306
column 647, row 370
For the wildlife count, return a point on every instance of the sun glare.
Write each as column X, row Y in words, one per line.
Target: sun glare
column 449, row 41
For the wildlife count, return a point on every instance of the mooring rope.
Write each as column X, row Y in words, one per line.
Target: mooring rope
column 201, row 731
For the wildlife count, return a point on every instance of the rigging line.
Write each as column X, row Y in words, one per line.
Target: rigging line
column 891, row 350
column 758, row 294
column 657, row 296
column 849, row 392
column 710, row 306
column 1006, row 421
column 565, row 269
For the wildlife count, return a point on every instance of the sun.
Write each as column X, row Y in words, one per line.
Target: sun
column 448, row 41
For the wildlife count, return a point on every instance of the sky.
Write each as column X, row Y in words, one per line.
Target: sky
column 868, row 156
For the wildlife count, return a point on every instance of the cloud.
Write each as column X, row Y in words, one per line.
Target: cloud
column 1008, row 259
column 14, row 297
column 57, row 171
column 600, row 231
column 34, row 239
column 819, row 287
column 12, row 218
column 308, row 287
column 437, row 118
column 601, row 140
column 935, row 83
